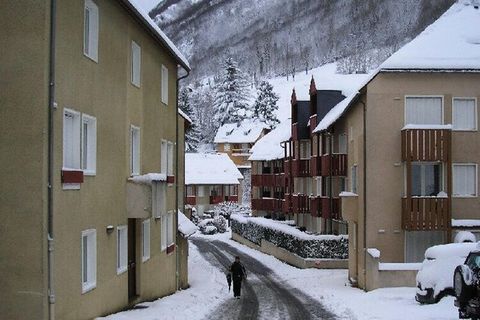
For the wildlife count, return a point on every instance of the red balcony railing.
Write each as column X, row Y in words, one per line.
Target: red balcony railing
column 425, row 213
column 231, row 198
column 268, row 204
column 426, row 144
column 216, row 199
column 191, row 200
column 301, row 168
column 325, row 207
column 336, row 163
column 268, row 180
column 287, row 204
column 300, row 203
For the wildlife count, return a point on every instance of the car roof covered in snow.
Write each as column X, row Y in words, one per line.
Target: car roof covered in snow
column 247, row 131
column 210, row 168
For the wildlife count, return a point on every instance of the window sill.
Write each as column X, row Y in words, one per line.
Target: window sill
column 121, row 270
column 135, row 85
column 171, row 249
column 464, row 130
column 464, row 196
column 145, row 259
column 88, row 287
column 89, row 173
column 90, row 57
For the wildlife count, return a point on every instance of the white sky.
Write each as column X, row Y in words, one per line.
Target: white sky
column 147, row 5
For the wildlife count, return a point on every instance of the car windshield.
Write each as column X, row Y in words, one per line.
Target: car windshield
column 473, row 260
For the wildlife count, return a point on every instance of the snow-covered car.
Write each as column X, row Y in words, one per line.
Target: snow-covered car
column 466, row 283
column 435, row 277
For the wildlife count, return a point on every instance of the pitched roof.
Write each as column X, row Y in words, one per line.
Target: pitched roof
column 247, row 131
column 203, row 168
column 452, row 42
column 156, row 32
column 268, row 147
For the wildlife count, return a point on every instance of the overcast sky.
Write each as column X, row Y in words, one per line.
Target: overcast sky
column 147, row 5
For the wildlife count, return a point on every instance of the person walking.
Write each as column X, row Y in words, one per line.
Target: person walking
column 238, row 274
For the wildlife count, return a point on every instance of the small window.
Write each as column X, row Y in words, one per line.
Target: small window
column 159, row 199
column 190, row 191
column 226, row 147
column 71, row 139
column 89, row 144
column 342, row 143
column 122, row 249
column 427, row 179
column 134, row 150
column 464, row 114
column 164, row 84
column 90, row 32
column 163, row 235
column 170, row 159
column 170, row 233
column 163, row 157
column 146, row 240
column 424, row 110
column 354, row 179
column 89, row 260
column 136, row 64
column 201, row 191
column 465, row 180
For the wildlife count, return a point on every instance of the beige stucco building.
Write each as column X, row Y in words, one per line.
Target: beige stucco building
column 92, row 160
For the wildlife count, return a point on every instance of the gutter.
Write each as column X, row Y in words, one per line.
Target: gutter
column 51, row 110
column 177, row 256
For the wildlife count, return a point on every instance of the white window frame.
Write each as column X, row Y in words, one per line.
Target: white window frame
column 75, row 143
column 342, row 143
column 122, row 249
column 170, row 152
column 135, row 147
column 163, row 156
column 453, row 180
column 200, row 191
column 136, row 70
column 170, row 233
column 89, row 260
column 89, row 145
column 475, row 128
column 354, row 179
column 423, row 96
column 163, row 234
column 159, row 199
column 90, row 30
column 164, row 89
column 145, row 240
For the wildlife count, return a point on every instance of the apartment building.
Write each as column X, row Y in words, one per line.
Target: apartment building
column 91, row 153
column 412, row 146
column 209, row 180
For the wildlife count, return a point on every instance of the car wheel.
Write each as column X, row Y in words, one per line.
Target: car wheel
column 462, row 290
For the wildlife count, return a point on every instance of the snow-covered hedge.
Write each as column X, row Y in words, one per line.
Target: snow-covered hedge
column 291, row 239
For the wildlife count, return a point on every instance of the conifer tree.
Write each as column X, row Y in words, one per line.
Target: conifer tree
column 231, row 95
column 266, row 105
column 192, row 134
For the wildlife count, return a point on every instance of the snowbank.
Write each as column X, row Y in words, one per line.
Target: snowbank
column 464, row 236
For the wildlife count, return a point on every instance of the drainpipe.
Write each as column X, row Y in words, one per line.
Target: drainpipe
column 364, row 190
column 330, row 183
column 51, row 109
column 177, row 256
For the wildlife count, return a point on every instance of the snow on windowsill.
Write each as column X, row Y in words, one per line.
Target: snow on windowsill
column 428, row 126
column 374, row 252
column 347, row 194
column 399, row 266
column 465, row 222
column 148, row 178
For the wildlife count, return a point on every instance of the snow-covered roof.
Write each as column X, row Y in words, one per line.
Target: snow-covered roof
column 450, row 43
column 184, row 115
column 157, row 32
column 185, row 226
column 203, row 168
column 247, row 131
column 148, row 178
column 268, row 147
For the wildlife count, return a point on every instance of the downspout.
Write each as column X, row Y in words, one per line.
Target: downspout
column 51, row 109
column 330, row 183
column 177, row 256
column 364, row 190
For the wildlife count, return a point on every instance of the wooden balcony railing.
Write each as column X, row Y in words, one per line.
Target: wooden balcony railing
column 287, row 204
column 315, row 166
column 231, row 198
column 301, row 167
column 313, row 123
column 300, row 203
column 426, row 144
column 268, row 180
column 325, row 207
column 294, row 131
column 191, row 200
column 336, row 163
column 216, row 199
column 268, row 204
column 425, row 213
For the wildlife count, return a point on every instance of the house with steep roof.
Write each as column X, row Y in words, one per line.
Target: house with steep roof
column 92, row 160
column 209, row 180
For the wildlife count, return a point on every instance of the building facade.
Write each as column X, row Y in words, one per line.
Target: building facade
column 90, row 111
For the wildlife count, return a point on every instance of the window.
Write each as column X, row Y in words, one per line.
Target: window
column 167, row 235
column 146, row 240
column 170, row 159
column 226, row 147
column 342, row 143
column 159, row 199
column 354, row 179
column 71, row 139
column 164, row 84
column 89, row 144
column 464, row 115
column 464, row 180
column 424, row 110
column 163, row 235
column 427, row 179
column 134, row 150
column 305, row 149
column 121, row 249
column 89, row 260
column 170, row 238
column 245, row 147
column 90, row 32
column 163, row 157
column 190, row 191
column 201, row 191
column 215, row 190
column 136, row 63
column 318, row 182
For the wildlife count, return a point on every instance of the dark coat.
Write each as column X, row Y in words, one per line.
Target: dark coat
column 238, row 271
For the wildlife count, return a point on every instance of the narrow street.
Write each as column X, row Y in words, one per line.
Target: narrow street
column 264, row 296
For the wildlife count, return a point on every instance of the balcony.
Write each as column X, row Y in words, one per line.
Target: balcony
column 301, row 167
column 231, row 198
column 426, row 144
column 191, row 200
column 333, row 164
column 300, row 203
column 268, row 204
column 216, row 199
column 268, row 180
column 425, row 213
column 325, row 207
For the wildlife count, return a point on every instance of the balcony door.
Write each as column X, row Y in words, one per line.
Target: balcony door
column 427, row 179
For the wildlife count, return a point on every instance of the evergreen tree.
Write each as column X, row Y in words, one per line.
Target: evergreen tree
column 266, row 105
column 231, row 95
column 192, row 134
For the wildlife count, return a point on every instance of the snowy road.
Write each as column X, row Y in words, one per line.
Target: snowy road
column 264, row 296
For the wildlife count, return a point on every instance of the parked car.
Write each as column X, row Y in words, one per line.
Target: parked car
column 435, row 277
column 466, row 283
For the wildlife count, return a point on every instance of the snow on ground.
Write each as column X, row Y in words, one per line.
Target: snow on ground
column 208, row 289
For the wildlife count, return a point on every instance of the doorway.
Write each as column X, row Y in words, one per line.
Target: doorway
column 132, row 261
